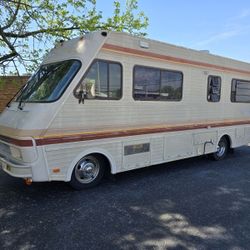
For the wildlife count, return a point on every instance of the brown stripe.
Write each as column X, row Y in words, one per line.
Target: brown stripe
column 114, row 134
column 132, row 132
column 171, row 58
column 17, row 142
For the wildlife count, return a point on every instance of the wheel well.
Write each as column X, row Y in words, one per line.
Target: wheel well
column 104, row 160
column 227, row 137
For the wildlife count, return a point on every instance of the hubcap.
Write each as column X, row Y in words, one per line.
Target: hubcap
column 87, row 170
column 221, row 148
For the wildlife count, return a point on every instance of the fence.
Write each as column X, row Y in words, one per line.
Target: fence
column 9, row 85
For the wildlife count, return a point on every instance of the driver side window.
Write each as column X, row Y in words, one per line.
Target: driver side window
column 103, row 80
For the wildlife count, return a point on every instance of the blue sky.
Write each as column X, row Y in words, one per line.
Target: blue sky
column 222, row 27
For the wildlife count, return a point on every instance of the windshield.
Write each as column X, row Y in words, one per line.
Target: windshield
column 49, row 82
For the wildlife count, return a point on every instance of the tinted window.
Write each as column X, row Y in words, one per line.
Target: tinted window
column 49, row 82
column 213, row 88
column 240, row 91
column 102, row 81
column 157, row 84
column 146, row 83
column 171, row 85
column 115, row 79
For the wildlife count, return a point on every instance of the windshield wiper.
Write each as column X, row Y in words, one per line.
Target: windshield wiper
column 27, row 87
column 20, row 104
column 9, row 102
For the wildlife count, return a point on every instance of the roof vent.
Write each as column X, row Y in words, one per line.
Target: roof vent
column 144, row 44
column 205, row 51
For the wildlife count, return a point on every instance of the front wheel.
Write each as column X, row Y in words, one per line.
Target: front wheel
column 222, row 149
column 87, row 173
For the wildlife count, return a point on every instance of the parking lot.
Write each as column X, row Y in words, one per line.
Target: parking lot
column 189, row 204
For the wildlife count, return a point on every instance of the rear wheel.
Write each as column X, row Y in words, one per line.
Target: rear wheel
column 222, row 149
column 87, row 173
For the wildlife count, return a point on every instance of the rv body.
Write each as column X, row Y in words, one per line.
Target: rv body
column 125, row 101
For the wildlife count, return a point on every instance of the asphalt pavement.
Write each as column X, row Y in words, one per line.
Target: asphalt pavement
column 190, row 204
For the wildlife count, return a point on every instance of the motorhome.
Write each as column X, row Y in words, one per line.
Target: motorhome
column 109, row 101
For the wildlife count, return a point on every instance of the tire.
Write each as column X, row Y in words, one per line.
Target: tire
column 222, row 150
column 87, row 173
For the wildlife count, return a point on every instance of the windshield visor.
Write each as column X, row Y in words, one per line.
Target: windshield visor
column 49, row 82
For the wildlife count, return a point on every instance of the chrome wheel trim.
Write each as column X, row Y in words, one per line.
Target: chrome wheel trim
column 87, row 170
column 221, row 149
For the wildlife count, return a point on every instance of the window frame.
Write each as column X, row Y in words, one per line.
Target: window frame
column 241, row 80
column 161, row 69
column 208, row 88
column 87, row 71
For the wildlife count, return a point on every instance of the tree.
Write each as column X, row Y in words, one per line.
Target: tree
column 28, row 28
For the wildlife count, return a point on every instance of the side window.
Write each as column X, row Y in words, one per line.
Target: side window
column 115, row 81
column 171, row 85
column 146, row 83
column 213, row 88
column 157, row 84
column 103, row 80
column 240, row 91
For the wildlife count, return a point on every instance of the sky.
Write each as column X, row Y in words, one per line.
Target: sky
column 222, row 27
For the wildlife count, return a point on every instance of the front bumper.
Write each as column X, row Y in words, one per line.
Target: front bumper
column 14, row 169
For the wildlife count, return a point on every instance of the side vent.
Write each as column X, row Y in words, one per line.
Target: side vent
column 136, row 149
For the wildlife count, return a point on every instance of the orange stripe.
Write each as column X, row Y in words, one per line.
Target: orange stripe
column 136, row 52
column 131, row 132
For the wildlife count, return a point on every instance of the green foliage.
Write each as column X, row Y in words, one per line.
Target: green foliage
column 29, row 28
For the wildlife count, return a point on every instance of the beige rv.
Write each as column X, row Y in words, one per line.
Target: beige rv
column 110, row 101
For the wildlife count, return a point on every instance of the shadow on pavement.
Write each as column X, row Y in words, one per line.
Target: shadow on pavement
column 189, row 204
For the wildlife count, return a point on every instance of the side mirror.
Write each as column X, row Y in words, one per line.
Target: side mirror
column 80, row 93
column 81, row 96
column 85, row 90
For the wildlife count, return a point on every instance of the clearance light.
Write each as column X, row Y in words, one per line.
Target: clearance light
column 28, row 181
column 56, row 170
column 144, row 44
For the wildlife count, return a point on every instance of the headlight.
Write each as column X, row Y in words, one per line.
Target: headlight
column 15, row 152
column 4, row 149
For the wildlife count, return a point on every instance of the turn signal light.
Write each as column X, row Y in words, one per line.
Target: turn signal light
column 56, row 170
column 28, row 181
